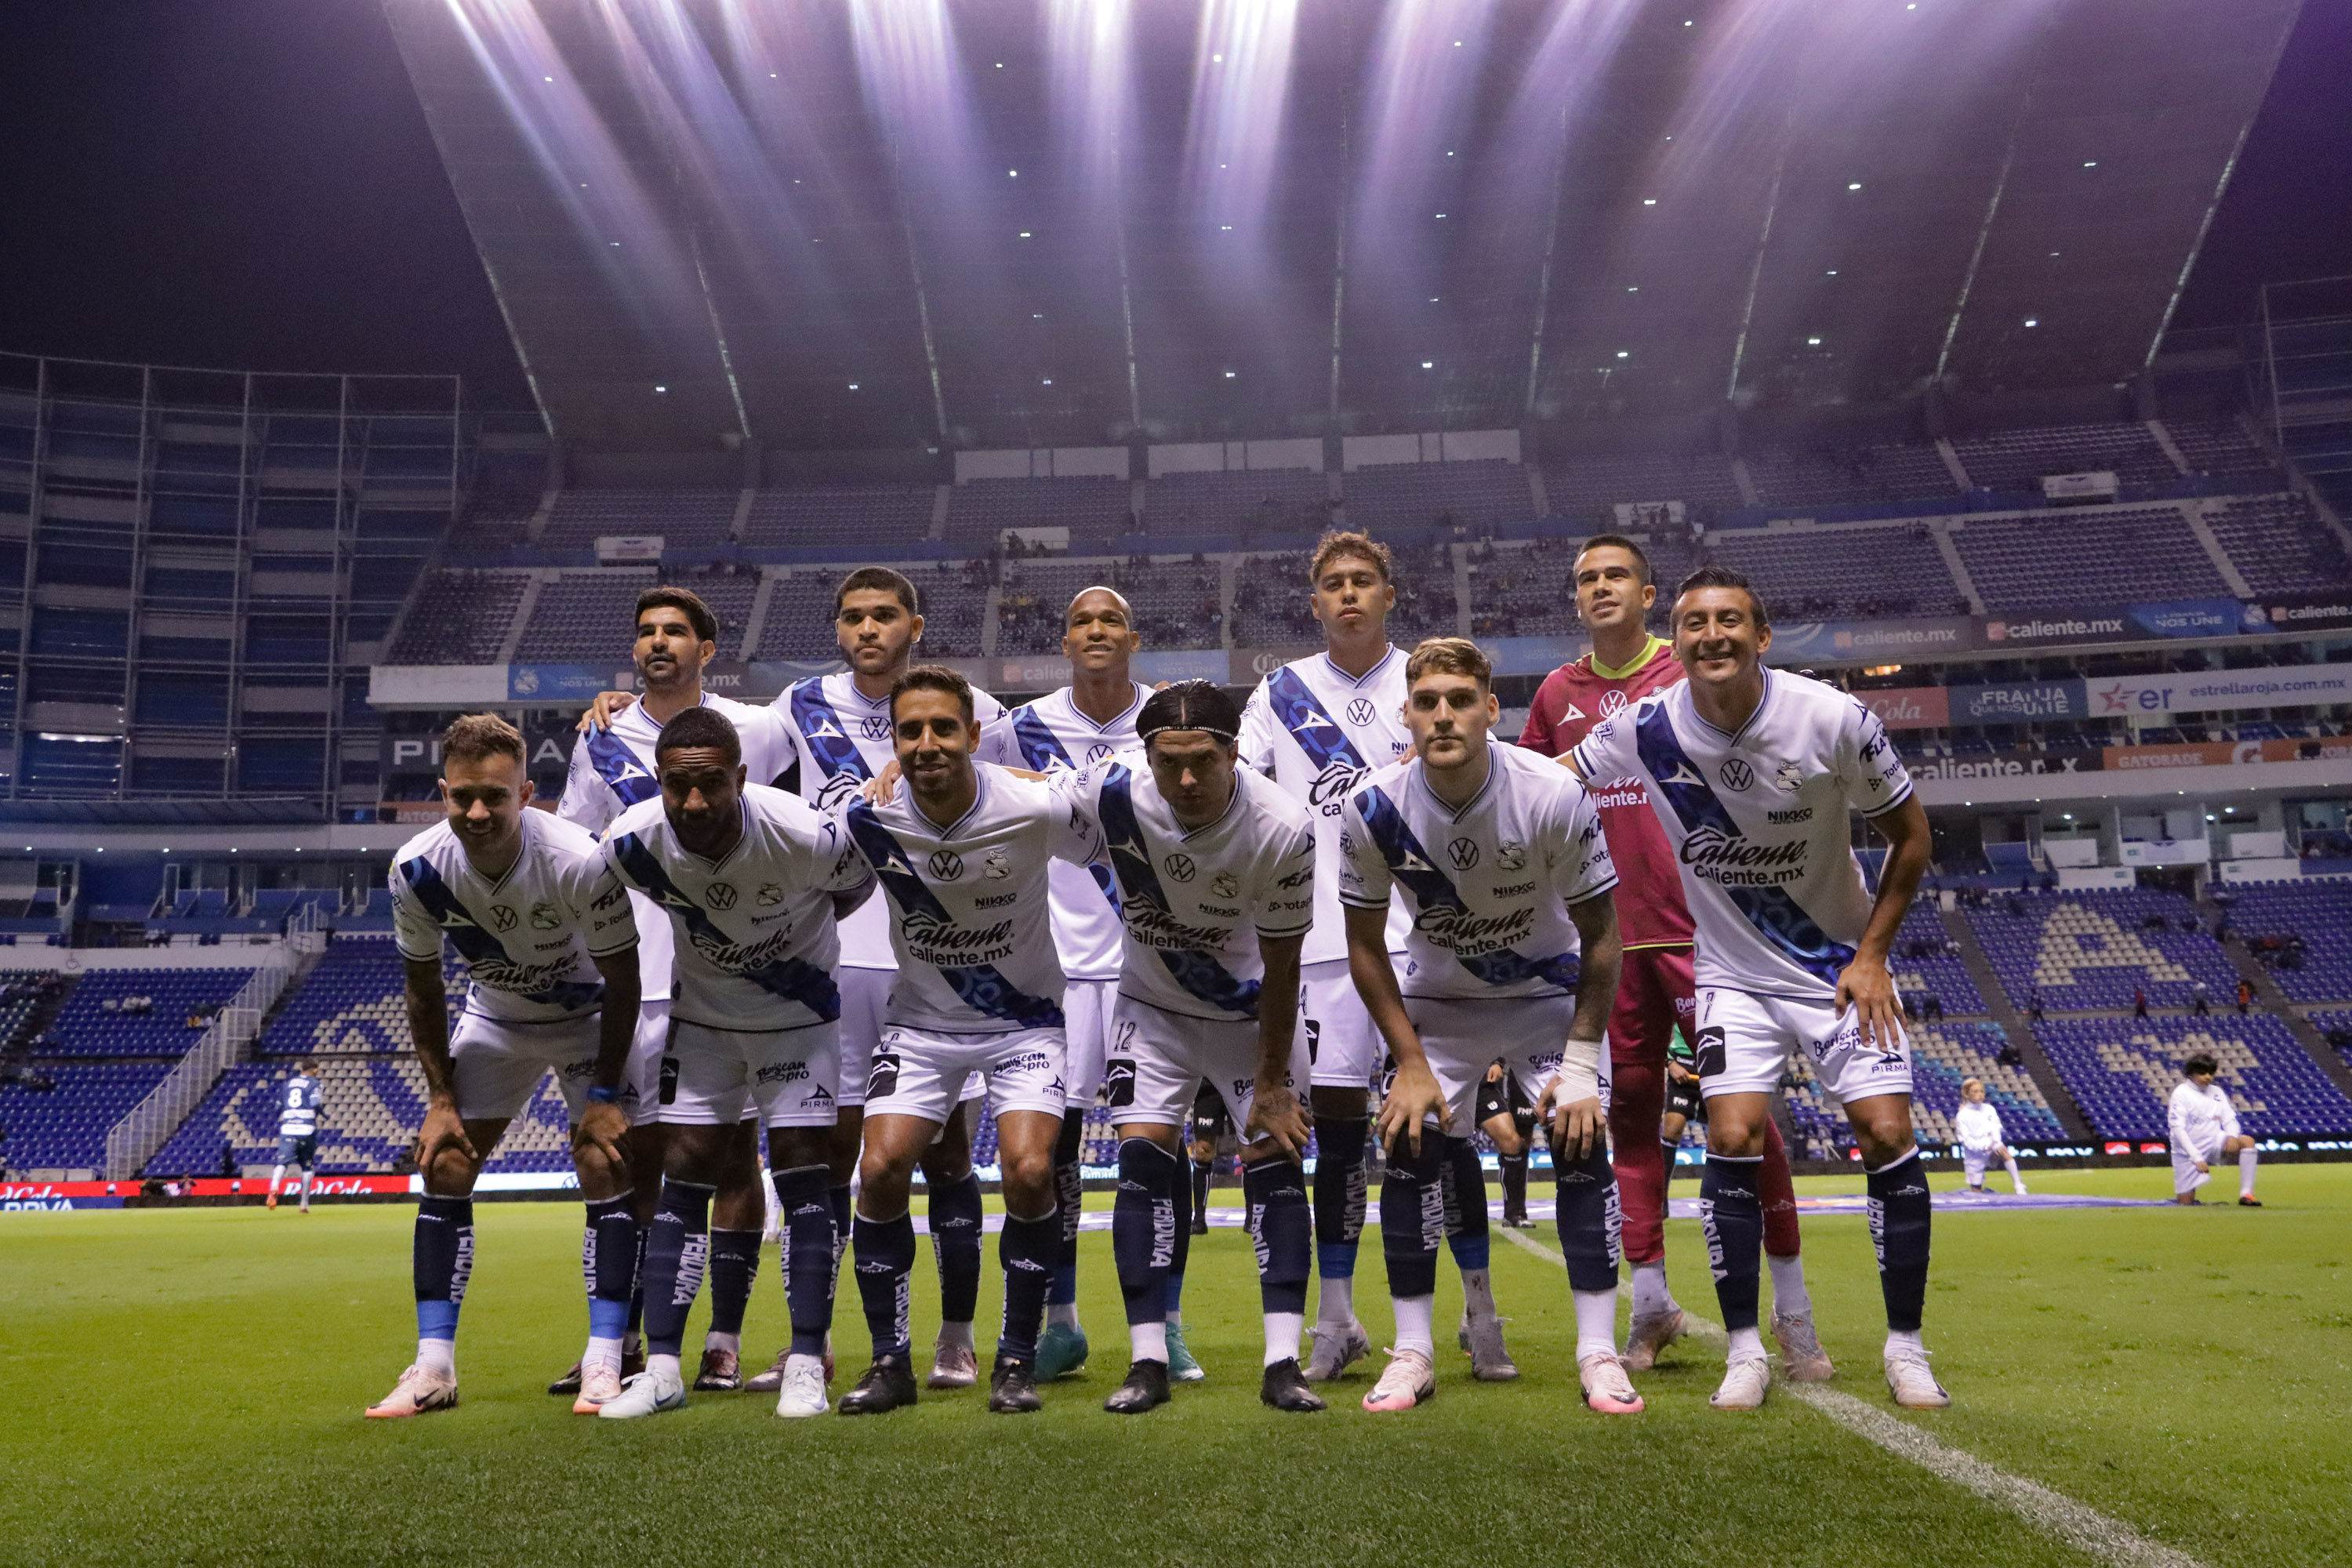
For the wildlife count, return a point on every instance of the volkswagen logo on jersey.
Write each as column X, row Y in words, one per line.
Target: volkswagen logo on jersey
column 875, row 727
column 945, row 865
column 502, row 918
column 1180, row 867
column 1736, row 775
column 720, row 895
column 1462, row 853
column 1612, row 701
column 1097, row 752
column 1359, row 711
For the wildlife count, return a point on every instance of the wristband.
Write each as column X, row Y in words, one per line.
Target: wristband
column 1580, row 1072
column 601, row 1094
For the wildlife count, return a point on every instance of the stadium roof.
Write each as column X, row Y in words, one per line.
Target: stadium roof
column 1035, row 222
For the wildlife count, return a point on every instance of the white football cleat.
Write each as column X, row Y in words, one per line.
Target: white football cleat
column 1489, row 1362
column 953, row 1366
column 1335, row 1349
column 804, row 1390
column 649, row 1393
column 1744, row 1384
column 1913, row 1385
column 598, row 1386
column 1606, row 1387
column 1651, row 1332
column 1802, row 1360
column 1408, row 1380
column 419, row 1392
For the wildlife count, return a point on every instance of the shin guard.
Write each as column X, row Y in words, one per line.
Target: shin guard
column 1731, row 1215
column 1281, row 1227
column 677, row 1249
column 1143, row 1229
column 809, row 1247
column 1899, row 1226
column 1591, row 1223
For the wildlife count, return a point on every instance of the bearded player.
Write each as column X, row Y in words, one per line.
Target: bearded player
column 1654, row 992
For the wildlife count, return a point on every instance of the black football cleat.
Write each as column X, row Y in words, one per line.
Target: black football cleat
column 1146, row 1388
column 1012, row 1387
column 888, row 1384
column 2250, row 1202
column 1285, row 1388
column 633, row 1361
column 568, row 1383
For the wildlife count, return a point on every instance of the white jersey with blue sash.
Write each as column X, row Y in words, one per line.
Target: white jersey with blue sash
column 1197, row 900
column 613, row 769
column 1319, row 731
column 1757, row 821
column 298, row 1108
column 757, row 940
column 530, row 937
column 1487, row 885
column 841, row 739
column 1052, row 736
column 970, row 917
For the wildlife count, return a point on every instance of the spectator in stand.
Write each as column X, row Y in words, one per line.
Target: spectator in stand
column 2139, row 1003
column 2200, row 999
column 2033, row 1005
column 2245, row 996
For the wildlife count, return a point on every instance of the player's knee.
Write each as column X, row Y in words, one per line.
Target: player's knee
column 450, row 1174
column 1028, row 1178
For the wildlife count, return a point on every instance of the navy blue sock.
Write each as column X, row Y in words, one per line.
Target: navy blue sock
column 1341, row 1188
column 1281, row 1228
column 1731, row 1214
column 808, row 1254
column 1514, row 1182
column 608, row 1262
column 1026, row 1248
column 1070, row 1194
column 1466, row 1229
column 734, row 1265
column 1180, row 1195
column 1590, row 1220
column 845, row 1208
column 1143, row 1227
column 1899, row 1222
column 1412, row 1215
column 1669, row 1151
column 442, row 1261
column 886, row 1273
column 638, row 1290
column 677, row 1249
column 955, row 1241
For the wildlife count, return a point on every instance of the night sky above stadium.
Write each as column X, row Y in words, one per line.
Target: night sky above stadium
column 251, row 184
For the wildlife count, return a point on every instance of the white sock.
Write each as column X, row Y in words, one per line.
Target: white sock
column 1063, row 1313
column 732, row 1344
column 1651, row 1296
column 1335, row 1305
column 1790, row 1296
column 602, row 1354
column 306, row 1189
column 1479, row 1292
column 438, row 1355
column 1747, row 1344
column 1903, row 1342
column 1596, row 1323
column 2016, row 1177
column 1415, row 1324
column 1282, row 1331
column 956, row 1335
column 1148, row 1342
column 275, row 1175
column 2246, row 1172
column 657, row 1364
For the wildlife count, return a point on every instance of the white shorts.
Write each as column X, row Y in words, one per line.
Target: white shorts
column 864, row 998
column 1343, row 1049
column 641, row 1084
column 497, row 1064
column 1974, row 1161
column 1086, row 1009
column 1463, row 1039
column 925, row 1072
column 1744, row 1040
column 714, row 1078
column 1158, row 1059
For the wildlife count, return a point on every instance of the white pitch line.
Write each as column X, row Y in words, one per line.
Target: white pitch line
column 2078, row 1525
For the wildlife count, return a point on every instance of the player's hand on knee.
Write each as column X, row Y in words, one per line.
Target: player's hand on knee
column 602, row 1127
column 1578, row 1126
column 1867, row 988
column 608, row 706
column 883, row 786
column 1275, row 1113
column 444, row 1133
column 1411, row 1099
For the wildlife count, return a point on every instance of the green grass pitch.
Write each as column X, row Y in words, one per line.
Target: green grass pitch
column 186, row 1386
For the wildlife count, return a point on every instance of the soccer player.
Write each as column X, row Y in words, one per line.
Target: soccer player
column 1215, row 866
column 1977, row 1125
column 613, row 771
column 1656, row 994
column 553, row 947
column 961, row 848
column 297, row 1130
column 1075, row 727
column 1507, row 1116
column 1684, row 1105
column 753, row 882
column 1751, row 773
column 1506, row 880
column 2204, row 1127
column 1318, row 725
column 1212, row 1124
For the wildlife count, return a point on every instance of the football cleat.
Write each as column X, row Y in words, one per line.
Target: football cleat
column 1745, row 1383
column 650, row 1392
column 633, row 1361
column 1409, row 1380
column 1648, row 1334
column 1012, row 1387
column 2250, row 1202
column 1489, row 1362
column 1802, row 1360
column 569, row 1382
column 1061, row 1350
column 1335, row 1349
column 597, row 1386
column 1606, row 1387
column 1146, row 1388
column 418, row 1392
column 272, row 1204
column 888, row 1384
column 1182, row 1367
column 1285, row 1388
column 804, row 1390
column 953, row 1366
column 721, row 1373
column 1913, row 1385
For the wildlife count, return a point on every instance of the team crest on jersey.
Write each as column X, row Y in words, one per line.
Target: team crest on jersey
column 1180, row 867
column 1462, row 853
column 1224, row 885
column 1787, row 779
column 1612, row 701
column 543, row 916
column 1511, row 855
column 1736, row 775
column 502, row 918
column 945, row 865
column 997, row 865
column 720, row 895
column 1361, row 712
column 771, row 894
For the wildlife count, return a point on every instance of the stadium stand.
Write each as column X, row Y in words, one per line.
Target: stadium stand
column 1861, row 573
column 1944, row 1057
column 2278, row 543
column 2110, row 557
column 1472, row 496
column 1922, row 968
column 2318, row 967
column 2096, row 950
column 1523, row 590
column 2121, row 1070
column 64, row 1127
column 2015, row 460
column 1033, row 599
column 351, row 1001
column 799, row 623
column 92, row 1023
column 1239, row 505
column 459, row 617
column 1095, row 511
column 1587, row 485
column 876, row 519
column 582, row 611
column 698, row 519
column 2222, row 450
column 1825, row 476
